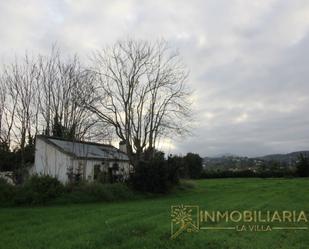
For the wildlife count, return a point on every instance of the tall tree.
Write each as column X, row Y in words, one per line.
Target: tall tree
column 63, row 84
column 3, row 96
column 20, row 78
column 140, row 92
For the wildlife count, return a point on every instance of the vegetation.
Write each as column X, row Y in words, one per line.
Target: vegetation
column 153, row 175
column 159, row 175
column 303, row 166
column 46, row 190
column 7, row 192
column 193, row 165
column 11, row 160
column 145, row 223
column 272, row 167
column 38, row 190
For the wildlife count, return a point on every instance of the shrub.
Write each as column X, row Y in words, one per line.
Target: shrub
column 174, row 167
column 38, row 190
column 7, row 192
column 155, row 176
column 194, row 165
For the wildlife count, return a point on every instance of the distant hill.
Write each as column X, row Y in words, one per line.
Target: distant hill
column 231, row 162
column 284, row 158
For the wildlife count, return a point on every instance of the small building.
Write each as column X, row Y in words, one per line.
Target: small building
column 64, row 159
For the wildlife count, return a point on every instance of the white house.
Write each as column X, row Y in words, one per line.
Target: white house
column 62, row 158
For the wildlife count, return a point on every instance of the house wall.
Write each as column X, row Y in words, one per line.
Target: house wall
column 50, row 161
column 88, row 167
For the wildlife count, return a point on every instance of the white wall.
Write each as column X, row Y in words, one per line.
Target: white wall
column 50, row 161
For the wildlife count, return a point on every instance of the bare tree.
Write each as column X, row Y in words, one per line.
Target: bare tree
column 7, row 113
column 21, row 116
column 40, row 94
column 63, row 85
column 135, row 88
column 140, row 92
column 3, row 96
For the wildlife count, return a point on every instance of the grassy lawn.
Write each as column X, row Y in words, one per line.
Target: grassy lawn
column 146, row 223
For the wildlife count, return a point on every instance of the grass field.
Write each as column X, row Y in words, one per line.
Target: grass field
column 146, row 223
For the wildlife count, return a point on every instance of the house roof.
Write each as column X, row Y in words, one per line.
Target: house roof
column 86, row 150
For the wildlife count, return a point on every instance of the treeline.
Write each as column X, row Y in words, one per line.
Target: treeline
column 247, row 173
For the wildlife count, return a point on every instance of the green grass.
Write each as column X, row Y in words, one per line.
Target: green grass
column 146, row 223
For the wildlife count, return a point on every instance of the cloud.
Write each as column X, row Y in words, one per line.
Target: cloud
column 248, row 59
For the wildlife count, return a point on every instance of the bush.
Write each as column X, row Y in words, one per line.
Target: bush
column 189, row 166
column 7, row 192
column 155, row 176
column 150, row 177
column 174, row 168
column 48, row 190
column 194, row 165
column 38, row 190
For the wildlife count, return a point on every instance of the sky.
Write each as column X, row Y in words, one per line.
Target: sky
column 248, row 60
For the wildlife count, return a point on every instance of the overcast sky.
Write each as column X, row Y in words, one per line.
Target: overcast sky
column 249, row 60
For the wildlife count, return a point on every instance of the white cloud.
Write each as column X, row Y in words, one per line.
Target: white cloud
column 248, row 59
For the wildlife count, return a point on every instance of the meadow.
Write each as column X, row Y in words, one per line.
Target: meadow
column 146, row 223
